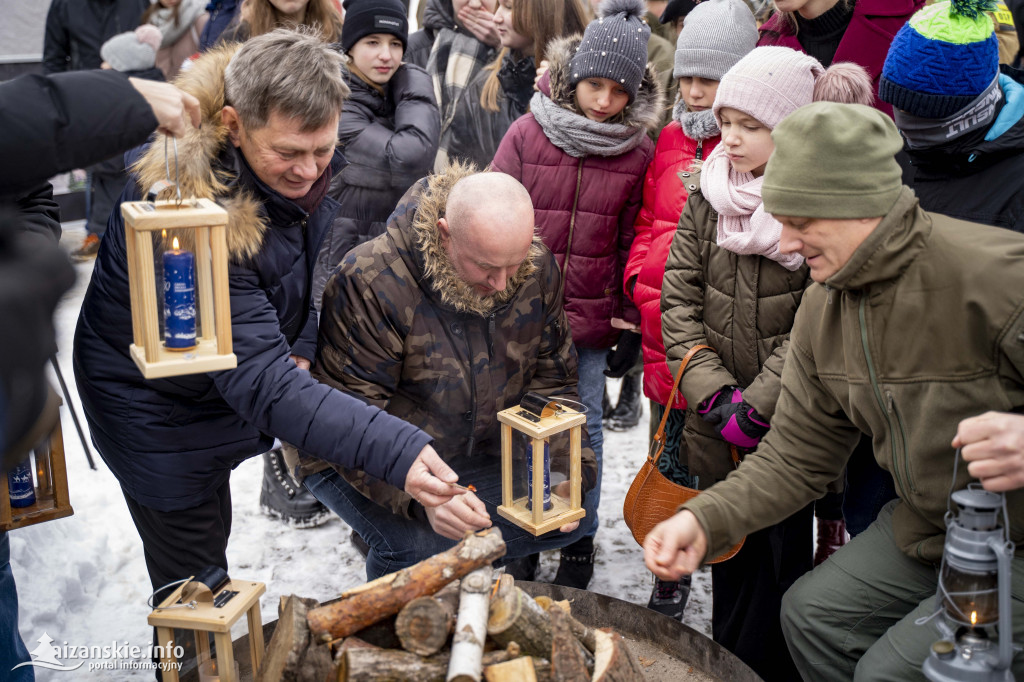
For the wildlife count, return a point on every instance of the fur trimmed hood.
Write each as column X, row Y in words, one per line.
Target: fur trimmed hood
column 198, row 150
column 438, row 268
column 647, row 108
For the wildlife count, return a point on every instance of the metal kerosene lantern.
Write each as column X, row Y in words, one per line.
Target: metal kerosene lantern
column 189, row 330
column 539, row 427
column 974, row 593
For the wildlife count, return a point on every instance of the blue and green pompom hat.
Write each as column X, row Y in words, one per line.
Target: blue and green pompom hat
column 942, row 59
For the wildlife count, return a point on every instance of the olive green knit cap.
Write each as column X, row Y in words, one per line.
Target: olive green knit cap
column 833, row 161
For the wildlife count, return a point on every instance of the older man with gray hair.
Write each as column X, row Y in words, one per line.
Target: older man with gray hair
column 266, row 152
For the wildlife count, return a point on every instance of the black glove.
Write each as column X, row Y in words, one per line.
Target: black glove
column 621, row 358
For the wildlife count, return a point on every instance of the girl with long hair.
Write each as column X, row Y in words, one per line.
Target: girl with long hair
column 263, row 16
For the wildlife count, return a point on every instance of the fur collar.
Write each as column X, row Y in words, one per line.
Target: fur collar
column 437, row 267
column 647, row 107
column 198, row 151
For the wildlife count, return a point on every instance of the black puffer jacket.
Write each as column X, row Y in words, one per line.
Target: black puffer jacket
column 389, row 140
column 438, row 14
column 76, row 29
column 973, row 178
column 474, row 134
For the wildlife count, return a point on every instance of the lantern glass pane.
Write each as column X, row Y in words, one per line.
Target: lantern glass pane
column 556, row 473
column 971, row 592
column 176, row 274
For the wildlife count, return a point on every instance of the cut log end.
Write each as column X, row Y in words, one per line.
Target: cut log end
column 613, row 661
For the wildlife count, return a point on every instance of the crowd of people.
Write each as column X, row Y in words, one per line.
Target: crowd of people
column 824, row 196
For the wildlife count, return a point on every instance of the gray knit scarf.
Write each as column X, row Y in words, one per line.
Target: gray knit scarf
column 578, row 136
column 696, row 125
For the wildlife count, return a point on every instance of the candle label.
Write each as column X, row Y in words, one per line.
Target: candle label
column 19, row 483
column 529, row 476
column 179, row 300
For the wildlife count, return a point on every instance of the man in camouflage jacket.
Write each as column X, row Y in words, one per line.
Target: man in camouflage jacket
column 449, row 317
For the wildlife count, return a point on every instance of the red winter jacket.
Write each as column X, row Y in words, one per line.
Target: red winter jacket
column 866, row 41
column 594, row 199
column 664, row 198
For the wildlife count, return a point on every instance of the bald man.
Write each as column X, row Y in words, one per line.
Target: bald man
column 450, row 316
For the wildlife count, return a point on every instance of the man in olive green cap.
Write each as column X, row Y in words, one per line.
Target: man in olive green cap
column 914, row 328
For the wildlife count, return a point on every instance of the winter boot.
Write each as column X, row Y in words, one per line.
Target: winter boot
column 669, row 598
column 831, row 536
column 576, row 566
column 282, row 498
column 524, row 568
column 626, row 414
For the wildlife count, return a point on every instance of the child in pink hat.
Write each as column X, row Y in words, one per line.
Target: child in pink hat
column 728, row 286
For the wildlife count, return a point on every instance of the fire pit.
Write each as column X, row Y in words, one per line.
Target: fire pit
column 665, row 648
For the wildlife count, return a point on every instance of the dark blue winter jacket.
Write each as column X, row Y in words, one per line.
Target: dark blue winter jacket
column 171, row 442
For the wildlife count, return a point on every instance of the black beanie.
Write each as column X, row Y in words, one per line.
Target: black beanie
column 365, row 17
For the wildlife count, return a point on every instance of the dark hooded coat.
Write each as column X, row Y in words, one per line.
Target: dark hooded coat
column 172, row 442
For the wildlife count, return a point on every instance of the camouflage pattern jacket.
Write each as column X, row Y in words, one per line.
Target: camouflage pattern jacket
column 401, row 330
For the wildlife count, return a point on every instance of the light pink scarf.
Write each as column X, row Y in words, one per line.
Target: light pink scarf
column 743, row 225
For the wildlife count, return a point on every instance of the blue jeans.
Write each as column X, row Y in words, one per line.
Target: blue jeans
column 12, row 648
column 397, row 542
column 592, row 363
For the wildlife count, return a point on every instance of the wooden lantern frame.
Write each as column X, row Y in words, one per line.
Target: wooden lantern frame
column 535, row 519
column 52, row 500
column 206, row 618
column 207, row 223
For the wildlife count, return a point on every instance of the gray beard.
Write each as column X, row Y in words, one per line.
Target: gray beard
column 697, row 125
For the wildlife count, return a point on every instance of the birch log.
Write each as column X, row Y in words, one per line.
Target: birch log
column 466, row 664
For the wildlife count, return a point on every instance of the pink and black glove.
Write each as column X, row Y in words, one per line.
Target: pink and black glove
column 738, row 422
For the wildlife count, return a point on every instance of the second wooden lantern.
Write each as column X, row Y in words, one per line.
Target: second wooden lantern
column 188, row 330
column 539, row 421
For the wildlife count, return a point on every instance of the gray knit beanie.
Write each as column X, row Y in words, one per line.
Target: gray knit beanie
column 716, row 35
column 133, row 50
column 614, row 46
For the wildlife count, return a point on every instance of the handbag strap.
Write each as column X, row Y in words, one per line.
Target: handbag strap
column 658, row 442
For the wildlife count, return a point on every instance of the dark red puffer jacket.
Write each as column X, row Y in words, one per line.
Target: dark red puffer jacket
column 665, row 195
column 584, row 208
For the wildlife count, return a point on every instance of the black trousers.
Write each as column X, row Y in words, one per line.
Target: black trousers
column 747, row 595
column 179, row 544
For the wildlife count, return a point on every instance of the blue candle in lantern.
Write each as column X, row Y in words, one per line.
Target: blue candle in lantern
column 19, row 485
column 179, row 298
column 529, row 476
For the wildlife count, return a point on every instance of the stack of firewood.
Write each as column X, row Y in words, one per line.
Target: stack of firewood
column 446, row 619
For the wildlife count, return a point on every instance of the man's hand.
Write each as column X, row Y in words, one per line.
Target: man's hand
column 170, row 105
column 300, row 362
column 460, row 514
column 993, row 447
column 429, row 478
column 479, row 22
column 675, row 547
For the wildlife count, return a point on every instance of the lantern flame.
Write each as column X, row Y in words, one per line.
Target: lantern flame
column 174, row 244
column 974, row 618
column 163, row 233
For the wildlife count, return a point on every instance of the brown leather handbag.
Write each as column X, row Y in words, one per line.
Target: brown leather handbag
column 652, row 497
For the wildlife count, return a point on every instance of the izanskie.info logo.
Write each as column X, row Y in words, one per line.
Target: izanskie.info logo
column 113, row 656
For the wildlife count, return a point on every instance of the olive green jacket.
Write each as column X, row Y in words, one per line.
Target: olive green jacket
column 743, row 307
column 921, row 328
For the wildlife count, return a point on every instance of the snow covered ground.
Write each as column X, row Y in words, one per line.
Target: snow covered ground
column 82, row 580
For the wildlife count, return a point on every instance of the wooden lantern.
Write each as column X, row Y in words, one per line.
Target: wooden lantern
column 539, row 422
column 216, row 616
column 51, row 487
column 201, row 227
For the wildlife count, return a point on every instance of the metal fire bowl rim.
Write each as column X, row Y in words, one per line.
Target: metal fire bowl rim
column 674, row 639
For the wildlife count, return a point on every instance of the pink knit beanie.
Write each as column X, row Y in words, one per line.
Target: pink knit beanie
column 149, row 34
column 769, row 83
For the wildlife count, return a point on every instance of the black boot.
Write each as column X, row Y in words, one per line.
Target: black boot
column 524, row 568
column 576, row 567
column 282, row 498
column 626, row 414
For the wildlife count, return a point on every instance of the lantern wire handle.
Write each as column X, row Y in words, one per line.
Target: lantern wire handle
column 167, row 169
column 583, row 408
column 190, row 605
